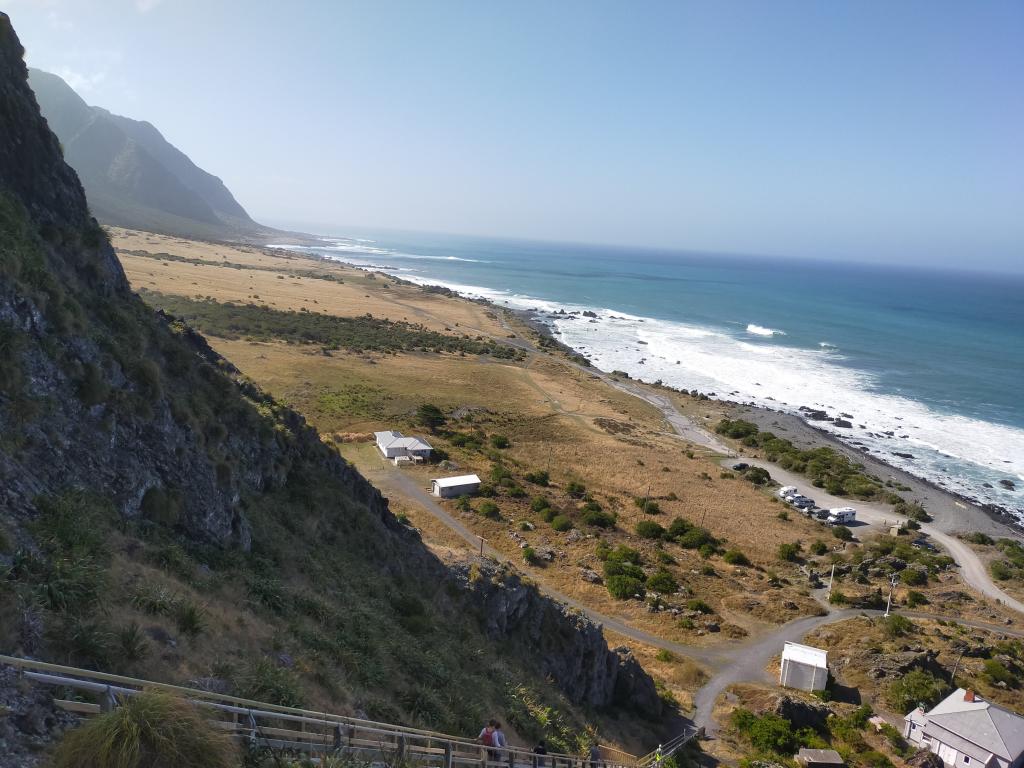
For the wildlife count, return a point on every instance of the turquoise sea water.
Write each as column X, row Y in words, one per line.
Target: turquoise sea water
column 925, row 363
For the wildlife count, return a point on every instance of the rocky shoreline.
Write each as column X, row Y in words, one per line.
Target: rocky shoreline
column 953, row 513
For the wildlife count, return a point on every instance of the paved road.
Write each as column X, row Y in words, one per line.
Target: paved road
column 972, row 569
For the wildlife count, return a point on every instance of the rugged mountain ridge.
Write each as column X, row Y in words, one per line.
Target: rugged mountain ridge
column 136, row 463
column 133, row 176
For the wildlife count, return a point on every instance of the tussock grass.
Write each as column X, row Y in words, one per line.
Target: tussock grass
column 152, row 729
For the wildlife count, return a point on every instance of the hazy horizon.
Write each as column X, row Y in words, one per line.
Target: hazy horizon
column 867, row 132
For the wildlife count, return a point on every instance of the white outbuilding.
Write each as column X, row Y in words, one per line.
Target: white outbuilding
column 803, row 667
column 450, row 487
column 398, row 447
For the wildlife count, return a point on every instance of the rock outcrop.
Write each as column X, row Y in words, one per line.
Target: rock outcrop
column 567, row 646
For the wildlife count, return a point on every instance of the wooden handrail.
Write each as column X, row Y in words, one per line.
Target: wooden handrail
column 362, row 735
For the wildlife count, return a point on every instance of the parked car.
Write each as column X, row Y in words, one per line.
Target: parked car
column 924, row 544
column 841, row 515
column 787, row 490
column 741, row 467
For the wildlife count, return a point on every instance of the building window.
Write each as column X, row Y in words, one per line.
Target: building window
column 967, row 760
column 913, row 726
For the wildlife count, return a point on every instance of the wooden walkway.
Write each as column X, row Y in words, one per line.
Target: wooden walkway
column 317, row 734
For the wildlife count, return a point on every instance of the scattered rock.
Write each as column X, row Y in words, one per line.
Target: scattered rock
column 591, row 576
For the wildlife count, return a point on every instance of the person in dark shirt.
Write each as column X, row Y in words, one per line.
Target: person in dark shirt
column 539, row 751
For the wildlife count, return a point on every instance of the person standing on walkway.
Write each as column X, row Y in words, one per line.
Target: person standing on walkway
column 499, row 740
column 486, row 738
column 539, row 751
column 595, row 755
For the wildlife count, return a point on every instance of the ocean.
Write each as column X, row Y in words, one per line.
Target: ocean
column 927, row 366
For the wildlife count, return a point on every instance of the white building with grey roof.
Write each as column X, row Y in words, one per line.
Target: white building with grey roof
column 966, row 731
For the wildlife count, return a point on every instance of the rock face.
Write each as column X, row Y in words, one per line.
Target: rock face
column 98, row 391
column 29, row 721
column 924, row 758
column 566, row 645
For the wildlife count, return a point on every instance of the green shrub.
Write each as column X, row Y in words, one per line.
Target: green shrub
column 1001, row 570
column 666, row 656
column 624, row 587
column 662, row 581
column 977, row 537
column 897, row 626
column 735, row 557
column 539, row 503
column 915, row 598
column 598, row 518
column 767, row 733
column 647, row 505
column 548, row 514
column 696, row 604
column 489, row 510
column 149, row 730
column 429, row 416
column 575, row 489
column 914, row 577
column 997, row 673
column 648, row 529
column 842, row 533
column 695, row 538
column 916, row 686
column 530, row 555
column 499, row 441
column 818, row 547
column 561, row 523
column 758, row 476
column 789, row 553
column 538, row 478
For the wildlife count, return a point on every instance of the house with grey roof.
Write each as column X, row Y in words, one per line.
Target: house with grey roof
column 397, row 447
column 966, row 731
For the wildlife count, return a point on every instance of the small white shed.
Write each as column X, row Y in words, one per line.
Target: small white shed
column 450, row 487
column 803, row 667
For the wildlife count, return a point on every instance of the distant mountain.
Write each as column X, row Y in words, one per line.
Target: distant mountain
column 133, row 177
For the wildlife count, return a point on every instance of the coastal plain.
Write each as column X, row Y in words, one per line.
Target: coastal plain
column 537, row 410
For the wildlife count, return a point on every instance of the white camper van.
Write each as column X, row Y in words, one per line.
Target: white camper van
column 787, row 490
column 841, row 515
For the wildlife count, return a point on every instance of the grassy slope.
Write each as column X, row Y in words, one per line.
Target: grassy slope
column 330, row 608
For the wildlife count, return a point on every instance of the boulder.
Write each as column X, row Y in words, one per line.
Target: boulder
column 801, row 713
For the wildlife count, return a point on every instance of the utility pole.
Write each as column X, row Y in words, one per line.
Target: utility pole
column 481, row 545
column 831, row 578
column 892, row 585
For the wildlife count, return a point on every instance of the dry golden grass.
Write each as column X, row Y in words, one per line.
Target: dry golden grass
column 556, row 417
column 856, row 644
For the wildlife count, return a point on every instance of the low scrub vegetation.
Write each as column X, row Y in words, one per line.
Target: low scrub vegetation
column 357, row 334
column 825, row 467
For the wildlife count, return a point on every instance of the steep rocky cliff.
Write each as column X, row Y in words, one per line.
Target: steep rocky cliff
column 161, row 516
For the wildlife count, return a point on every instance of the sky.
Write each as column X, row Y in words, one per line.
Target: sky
column 862, row 130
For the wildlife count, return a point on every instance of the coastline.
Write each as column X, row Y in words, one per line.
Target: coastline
column 953, row 512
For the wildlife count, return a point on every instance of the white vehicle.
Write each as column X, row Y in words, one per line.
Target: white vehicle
column 841, row 515
column 787, row 490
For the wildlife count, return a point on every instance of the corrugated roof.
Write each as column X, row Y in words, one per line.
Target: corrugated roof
column 829, row 756
column 805, row 654
column 979, row 722
column 392, row 439
column 448, row 482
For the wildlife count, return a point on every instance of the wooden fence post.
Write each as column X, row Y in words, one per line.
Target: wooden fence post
column 448, row 761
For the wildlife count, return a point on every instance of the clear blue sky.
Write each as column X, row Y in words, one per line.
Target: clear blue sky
column 864, row 130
